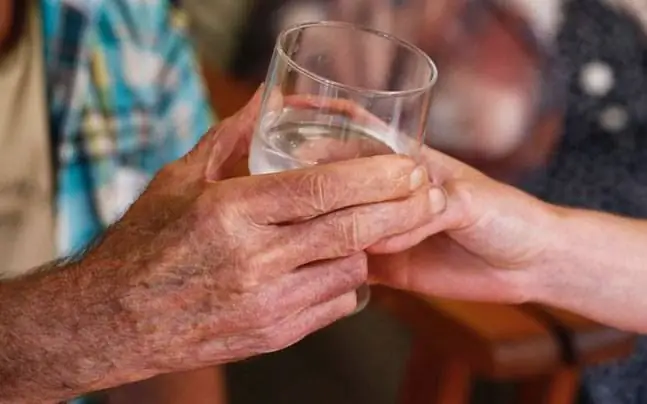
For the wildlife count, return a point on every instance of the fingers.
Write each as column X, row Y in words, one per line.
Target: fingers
column 227, row 143
column 435, row 223
column 453, row 209
column 232, row 139
column 306, row 322
column 218, row 151
column 236, row 126
column 441, row 267
column 442, row 168
column 297, row 304
column 455, row 186
column 278, row 335
column 312, row 285
column 330, row 150
column 352, row 230
column 340, row 106
column 294, row 195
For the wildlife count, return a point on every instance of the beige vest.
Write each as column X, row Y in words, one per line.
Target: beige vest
column 26, row 211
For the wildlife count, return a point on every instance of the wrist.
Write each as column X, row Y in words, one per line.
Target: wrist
column 62, row 330
column 537, row 282
column 108, row 352
column 575, row 258
column 595, row 267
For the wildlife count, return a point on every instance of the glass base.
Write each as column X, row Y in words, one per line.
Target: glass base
column 363, row 297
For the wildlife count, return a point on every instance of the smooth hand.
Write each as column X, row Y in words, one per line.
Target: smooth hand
column 489, row 242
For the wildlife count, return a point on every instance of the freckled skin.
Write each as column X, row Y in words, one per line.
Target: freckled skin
column 204, row 270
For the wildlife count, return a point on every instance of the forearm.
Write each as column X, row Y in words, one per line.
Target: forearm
column 597, row 266
column 60, row 334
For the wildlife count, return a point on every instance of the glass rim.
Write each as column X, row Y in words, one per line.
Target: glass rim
column 433, row 76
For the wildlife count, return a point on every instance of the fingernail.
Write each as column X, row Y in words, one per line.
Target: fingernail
column 363, row 294
column 437, row 200
column 417, row 178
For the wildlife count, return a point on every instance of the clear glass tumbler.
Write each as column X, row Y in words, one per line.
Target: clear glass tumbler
column 341, row 100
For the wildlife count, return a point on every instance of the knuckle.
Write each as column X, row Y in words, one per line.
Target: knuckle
column 244, row 277
column 219, row 207
column 245, row 280
column 255, row 265
column 252, row 266
column 351, row 232
column 358, row 267
column 358, row 272
column 315, row 188
column 347, row 229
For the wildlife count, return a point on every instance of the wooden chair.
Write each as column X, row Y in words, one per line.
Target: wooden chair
column 541, row 350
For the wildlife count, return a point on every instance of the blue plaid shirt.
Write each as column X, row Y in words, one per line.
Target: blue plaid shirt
column 125, row 98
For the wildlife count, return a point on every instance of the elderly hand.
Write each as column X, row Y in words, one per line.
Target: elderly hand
column 219, row 270
column 489, row 242
column 204, row 270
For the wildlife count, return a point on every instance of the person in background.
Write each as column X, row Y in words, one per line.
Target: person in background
column 95, row 96
column 600, row 162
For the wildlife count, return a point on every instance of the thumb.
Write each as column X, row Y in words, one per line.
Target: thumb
column 450, row 199
column 227, row 143
column 229, row 140
column 440, row 219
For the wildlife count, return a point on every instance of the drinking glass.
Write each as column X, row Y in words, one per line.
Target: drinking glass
column 338, row 101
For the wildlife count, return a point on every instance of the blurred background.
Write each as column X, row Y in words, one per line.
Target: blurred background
column 550, row 96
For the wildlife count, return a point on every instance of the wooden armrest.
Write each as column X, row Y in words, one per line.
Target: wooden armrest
column 587, row 342
column 499, row 341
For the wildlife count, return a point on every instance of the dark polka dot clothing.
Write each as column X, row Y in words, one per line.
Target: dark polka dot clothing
column 602, row 160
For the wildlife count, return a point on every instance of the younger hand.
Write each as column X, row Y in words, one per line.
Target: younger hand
column 487, row 242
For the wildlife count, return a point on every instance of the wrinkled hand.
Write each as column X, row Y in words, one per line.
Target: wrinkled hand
column 488, row 242
column 218, row 270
